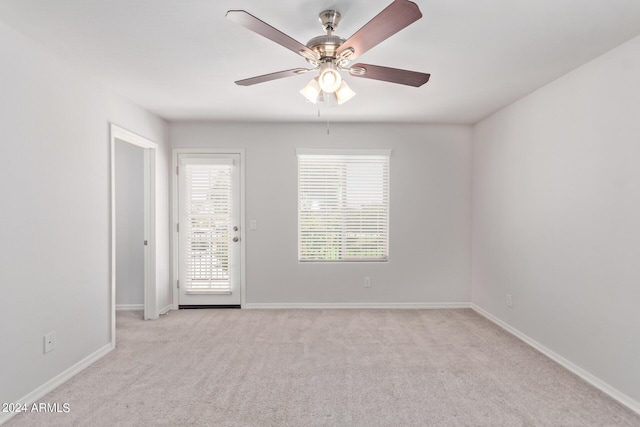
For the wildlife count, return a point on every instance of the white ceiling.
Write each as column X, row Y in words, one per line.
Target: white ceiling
column 179, row 58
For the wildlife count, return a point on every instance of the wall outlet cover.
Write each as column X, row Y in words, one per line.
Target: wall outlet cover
column 49, row 341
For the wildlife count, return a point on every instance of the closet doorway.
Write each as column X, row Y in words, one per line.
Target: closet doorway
column 133, row 245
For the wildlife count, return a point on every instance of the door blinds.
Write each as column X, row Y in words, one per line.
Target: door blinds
column 208, row 221
column 343, row 205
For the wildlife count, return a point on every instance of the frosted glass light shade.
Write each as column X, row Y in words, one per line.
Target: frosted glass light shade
column 344, row 93
column 312, row 90
column 330, row 78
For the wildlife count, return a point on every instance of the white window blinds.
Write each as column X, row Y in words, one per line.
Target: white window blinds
column 343, row 205
column 208, row 221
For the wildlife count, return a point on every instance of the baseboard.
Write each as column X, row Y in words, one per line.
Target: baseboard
column 129, row 307
column 363, row 305
column 58, row 380
column 165, row 310
column 627, row 401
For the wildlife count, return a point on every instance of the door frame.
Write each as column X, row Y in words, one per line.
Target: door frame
column 175, row 243
column 149, row 173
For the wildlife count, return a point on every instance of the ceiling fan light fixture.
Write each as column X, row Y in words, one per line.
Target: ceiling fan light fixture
column 344, row 93
column 330, row 78
column 312, row 90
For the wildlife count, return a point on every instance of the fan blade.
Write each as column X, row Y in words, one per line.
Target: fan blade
column 257, row 26
column 396, row 16
column 273, row 76
column 393, row 75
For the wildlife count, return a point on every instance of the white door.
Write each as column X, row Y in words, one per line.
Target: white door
column 209, row 229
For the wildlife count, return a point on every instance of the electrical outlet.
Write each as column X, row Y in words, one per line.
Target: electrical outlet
column 367, row 282
column 509, row 300
column 49, row 341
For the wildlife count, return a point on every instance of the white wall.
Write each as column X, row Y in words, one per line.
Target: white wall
column 429, row 222
column 556, row 217
column 129, row 183
column 55, row 226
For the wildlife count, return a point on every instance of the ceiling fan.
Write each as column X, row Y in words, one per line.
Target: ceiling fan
column 330, row 53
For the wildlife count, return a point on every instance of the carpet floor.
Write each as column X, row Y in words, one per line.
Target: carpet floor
column 324, row 368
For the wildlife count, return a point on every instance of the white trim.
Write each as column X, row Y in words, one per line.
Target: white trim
column 150, row 290
column 129, row 307
column 206, row 160
column 342, row 152
column 150, row 285
column 122, row 134
column 627, row 401
column 359, row 305
column 166, row 309
column 174, row 216
column 58, row 380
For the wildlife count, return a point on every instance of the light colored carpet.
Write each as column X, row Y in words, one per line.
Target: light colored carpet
column 325, row 368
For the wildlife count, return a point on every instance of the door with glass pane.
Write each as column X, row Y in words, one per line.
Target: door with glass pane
column 209, row 229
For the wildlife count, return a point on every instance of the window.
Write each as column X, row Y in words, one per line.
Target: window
column 343, row 205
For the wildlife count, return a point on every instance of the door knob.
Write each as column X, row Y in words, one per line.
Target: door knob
column 235, row 239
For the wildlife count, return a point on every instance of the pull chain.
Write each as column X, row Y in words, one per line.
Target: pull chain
column 328, row 126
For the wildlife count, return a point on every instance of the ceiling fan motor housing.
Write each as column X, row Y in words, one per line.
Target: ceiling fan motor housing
column 326, row 46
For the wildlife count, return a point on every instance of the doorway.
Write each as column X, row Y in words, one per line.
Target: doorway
column 129, row 204
column 208, row 243
column 139, row 154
